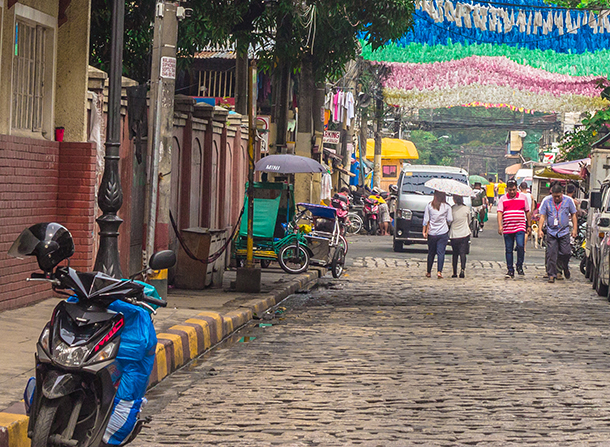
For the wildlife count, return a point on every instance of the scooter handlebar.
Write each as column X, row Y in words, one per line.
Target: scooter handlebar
column 155, row 302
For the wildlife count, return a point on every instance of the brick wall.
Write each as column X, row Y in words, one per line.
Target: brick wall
column 28, row 194
column 75, row 199
column 42, row 181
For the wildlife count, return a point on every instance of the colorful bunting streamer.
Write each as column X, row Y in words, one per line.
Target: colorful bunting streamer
column 483, row 70
column 528, row 24
column 491, row 94
column 526, row 55
column 583, row 64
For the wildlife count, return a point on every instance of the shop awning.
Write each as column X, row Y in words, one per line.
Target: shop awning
column 512, row 169
column 573, row 167
column 393, row 149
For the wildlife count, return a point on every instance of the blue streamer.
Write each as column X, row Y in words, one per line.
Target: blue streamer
column 428, row 31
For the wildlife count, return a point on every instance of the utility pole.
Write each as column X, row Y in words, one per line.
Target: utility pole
column 378, row 126
column 161, row 122
column 248, row 278
column 110, row 196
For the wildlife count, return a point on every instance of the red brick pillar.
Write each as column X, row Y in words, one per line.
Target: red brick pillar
column 75, row 199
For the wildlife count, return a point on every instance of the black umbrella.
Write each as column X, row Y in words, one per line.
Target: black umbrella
column 287, row 164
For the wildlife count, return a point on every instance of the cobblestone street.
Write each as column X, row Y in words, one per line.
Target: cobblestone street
column 387, row 357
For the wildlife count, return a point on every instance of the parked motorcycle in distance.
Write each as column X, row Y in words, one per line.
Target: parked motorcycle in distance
column 371, row 215
column 578, row 243
column 88, row 353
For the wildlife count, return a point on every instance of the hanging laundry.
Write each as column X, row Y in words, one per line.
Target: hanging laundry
column 349, row 108
column 326, row 187
column 336, row 107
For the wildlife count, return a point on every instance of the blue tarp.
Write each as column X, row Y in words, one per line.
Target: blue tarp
column 326, row 212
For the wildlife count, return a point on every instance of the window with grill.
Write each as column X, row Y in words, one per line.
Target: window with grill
column 389, row 171
column 28, row 76
column 217, row 84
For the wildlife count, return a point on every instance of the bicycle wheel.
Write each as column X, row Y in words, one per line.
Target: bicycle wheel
column 355, row 223
column 343, row 243
column 338, row 262
column 293, row 261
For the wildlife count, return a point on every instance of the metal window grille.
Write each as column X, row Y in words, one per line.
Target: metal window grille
column 217, row 84
column 28, row 76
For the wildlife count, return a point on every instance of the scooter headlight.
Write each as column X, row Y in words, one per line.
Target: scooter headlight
column 68, row 356
column 44, row 339
column 104, row 354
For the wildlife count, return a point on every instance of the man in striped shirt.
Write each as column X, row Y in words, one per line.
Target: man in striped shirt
column 514, row 220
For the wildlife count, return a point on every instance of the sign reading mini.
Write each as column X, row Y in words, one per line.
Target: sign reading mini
column 272, row 168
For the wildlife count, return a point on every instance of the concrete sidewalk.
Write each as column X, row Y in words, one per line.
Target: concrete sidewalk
column 193, row 322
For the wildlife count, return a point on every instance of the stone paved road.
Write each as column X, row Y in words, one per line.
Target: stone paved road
column 386, row 357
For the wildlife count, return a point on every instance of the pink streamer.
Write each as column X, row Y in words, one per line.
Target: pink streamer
column 486, row 70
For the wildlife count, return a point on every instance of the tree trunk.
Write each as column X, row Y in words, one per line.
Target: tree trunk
column 281, row 107
column 241, row 79
column 306, row 99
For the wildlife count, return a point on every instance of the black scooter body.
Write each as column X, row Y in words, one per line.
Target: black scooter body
column 80, row 324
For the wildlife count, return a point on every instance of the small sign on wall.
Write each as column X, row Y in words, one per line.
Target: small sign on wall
column 168, row 67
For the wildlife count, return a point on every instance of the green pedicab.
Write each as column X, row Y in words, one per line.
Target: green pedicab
column 274, row 227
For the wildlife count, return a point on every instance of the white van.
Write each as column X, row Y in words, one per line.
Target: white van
column 413, row 197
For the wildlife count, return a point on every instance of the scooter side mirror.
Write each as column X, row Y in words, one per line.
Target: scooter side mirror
column 162, row 260
column 596, row 199
column 584, row 205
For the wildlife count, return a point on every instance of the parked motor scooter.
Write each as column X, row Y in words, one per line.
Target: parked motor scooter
column 371, row 215
column 98, row 346
column 341, row 204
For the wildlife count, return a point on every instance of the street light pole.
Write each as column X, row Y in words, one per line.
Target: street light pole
column 110, row 195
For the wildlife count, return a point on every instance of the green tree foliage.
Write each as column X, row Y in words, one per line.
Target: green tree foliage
column 279, row 30
column 433, row 149
column 577, row 144
column 586, row 4
column 138, row 37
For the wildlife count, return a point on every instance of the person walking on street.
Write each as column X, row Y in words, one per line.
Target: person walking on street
column 491, row 192
column 514, row 220
column 459, row 234
column 479, row 204
column 523, row 191
column 437, row 218
column 557, row 214
column 501, row 189
column 384, row 212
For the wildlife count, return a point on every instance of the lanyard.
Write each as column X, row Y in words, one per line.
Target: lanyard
column 558, row 208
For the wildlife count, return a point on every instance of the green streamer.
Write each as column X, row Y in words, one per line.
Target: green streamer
column 583, row 64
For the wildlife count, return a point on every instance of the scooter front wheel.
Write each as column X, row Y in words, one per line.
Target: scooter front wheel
column 47, row 422
column 292, row 260
column 373, row 227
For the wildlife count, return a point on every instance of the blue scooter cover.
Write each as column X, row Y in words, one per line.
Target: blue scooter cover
column 136, row 357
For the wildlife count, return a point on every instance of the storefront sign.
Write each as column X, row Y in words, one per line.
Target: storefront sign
column 331, row 137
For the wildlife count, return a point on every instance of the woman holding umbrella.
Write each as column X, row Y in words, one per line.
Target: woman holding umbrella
column 437, row 218
column 459, row 234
